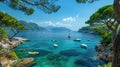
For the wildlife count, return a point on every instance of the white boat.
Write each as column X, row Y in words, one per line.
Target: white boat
column 55, row 45
column 33, row 53
column 54, row 41
column 77, row 40
column 83, row 45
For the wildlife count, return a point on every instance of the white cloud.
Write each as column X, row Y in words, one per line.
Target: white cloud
column 69, row 19
column 55, row 24
column 31, row 20
column 60, row 24
column 46, row 23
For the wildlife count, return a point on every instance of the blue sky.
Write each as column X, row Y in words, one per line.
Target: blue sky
column 71, row 14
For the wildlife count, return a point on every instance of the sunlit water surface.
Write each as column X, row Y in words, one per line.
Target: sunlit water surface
column 67, row 54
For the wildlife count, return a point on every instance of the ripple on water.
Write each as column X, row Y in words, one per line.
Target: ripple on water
column 86, row 62
column 52, row 60
column 70, row 52
column 40, row 44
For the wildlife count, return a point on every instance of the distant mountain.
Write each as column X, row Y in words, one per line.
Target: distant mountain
column 49, row 27
column 60, row 29
column 32, row 26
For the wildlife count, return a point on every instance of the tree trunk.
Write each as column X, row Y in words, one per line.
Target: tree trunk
column 116, row 51
column 116, row 7
column 116, row 36
column 14, row 35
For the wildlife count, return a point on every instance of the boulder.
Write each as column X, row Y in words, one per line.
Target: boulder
column 27, row 61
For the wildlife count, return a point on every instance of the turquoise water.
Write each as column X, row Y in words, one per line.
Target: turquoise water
column 67, row 54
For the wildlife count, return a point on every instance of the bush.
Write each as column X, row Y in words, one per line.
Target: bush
column 106, row 65
column 12, row 55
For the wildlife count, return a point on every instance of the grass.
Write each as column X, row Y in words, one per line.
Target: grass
column 12, row 55
column 106, row 65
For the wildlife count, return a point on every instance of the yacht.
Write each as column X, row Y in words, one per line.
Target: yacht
column 77, row 40
column 83, row 45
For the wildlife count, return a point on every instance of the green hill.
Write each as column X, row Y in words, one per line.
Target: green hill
column 32, row 26
column 60, row 29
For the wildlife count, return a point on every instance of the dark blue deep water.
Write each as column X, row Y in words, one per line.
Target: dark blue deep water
column 67, row 54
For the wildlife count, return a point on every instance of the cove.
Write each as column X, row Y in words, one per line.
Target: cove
column 67, row 54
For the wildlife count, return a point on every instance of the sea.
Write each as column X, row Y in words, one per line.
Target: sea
column 68, row 53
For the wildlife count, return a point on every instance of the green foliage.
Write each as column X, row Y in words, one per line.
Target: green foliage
column 85, row 1
column 96, row 27
column 1, row 50
column 101, row 15
column 31, row 26
column 26, row 6
column 106, row 37
column 10, row 22
column 106, row 65
column 105, row 34
column 15, row 1
column 3, row 34
column 30, row 11
column 12, row 55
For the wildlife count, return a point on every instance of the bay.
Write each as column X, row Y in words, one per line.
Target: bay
column 67, row 54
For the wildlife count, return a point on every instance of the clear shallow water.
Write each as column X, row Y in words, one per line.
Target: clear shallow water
column 68, row 53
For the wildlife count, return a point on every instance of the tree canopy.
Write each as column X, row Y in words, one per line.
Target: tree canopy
column 10, row 22
column 3, row 34
column 104, row 14
column 110, row 16
column 48, row 6
column 85, row 1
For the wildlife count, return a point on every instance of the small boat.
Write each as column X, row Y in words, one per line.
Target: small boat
column 54, row 41
column 83, row 45
column 77, row 40
column 69, row 36
column 33, row 53
column 55, row 45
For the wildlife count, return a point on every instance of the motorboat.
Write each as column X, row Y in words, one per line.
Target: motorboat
column 83, row 45
column 55, row 45
column 77, row 40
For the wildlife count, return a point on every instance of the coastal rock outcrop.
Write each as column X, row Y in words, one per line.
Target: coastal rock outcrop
column 8, row 57
column 5, row 62
column 104, row 53
column 27, row 62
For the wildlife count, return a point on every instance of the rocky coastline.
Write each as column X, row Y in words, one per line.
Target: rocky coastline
column 104, row 53
column 8, row 57
column 88, row 31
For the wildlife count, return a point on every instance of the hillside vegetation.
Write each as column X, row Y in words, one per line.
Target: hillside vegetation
column 32, row 26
